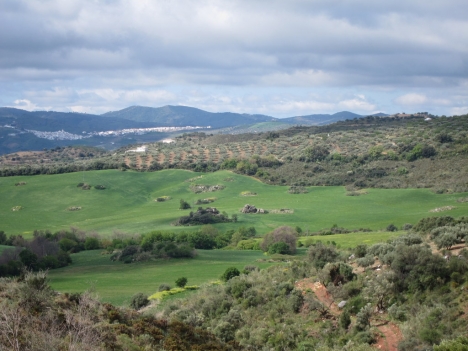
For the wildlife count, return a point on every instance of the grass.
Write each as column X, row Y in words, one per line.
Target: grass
column 127, row 204
column 352, row 240
column 116, row 282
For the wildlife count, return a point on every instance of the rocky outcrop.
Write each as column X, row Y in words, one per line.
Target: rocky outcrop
column 252, row 209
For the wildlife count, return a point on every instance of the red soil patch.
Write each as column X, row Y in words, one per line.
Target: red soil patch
column 127, row 161
column 171, row 157
column 321, row 292
column 206, row 153
column 390, row 333
column 149, row 159
column 391, row 336
column 139, row 161
column 161, row 158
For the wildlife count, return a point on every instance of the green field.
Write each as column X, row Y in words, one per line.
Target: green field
column 116, row 282
column 128, row 203
column 351, row 240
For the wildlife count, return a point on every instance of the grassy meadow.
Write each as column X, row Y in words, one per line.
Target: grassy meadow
column 352, row 240
column 128, row 203
column 116, row 282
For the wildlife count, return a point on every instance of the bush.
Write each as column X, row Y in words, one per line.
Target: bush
column 284, row 234
column 279, row 248
column 321, row 254
column 138, row 301
column 391, row 228
column 230, row 273
column 181, row 282
column 184, row 205
column 164, row 287
column 91, row 243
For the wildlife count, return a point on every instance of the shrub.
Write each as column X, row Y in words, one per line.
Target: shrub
column 279, row 248
column 321, row 254
column 164, row 287
column 282, row 234
column 230, row 273
column 99, row 187
column 138, row 301
column 391, row 228
column 181, row 282
column 91, row 243
column 184, row 205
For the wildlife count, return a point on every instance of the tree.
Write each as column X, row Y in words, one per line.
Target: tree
column 184, row 205
column 3, row 237
column 380, row 289
column 447, row 240
column 230, row 273
column 181, row 282
column 363, row 318
column 29, row 259
column 316, row 153
column 279, row 248
column 283, row 234
column 321, row 254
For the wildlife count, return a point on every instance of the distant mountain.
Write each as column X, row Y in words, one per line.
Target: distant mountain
column 75, row 123
column 320, row 119
column 177, row 116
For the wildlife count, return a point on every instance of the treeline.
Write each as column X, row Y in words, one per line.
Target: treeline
column 29, row 170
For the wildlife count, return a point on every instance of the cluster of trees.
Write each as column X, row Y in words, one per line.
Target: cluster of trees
column 209, row 215
column 41, row 252
column 61, row 168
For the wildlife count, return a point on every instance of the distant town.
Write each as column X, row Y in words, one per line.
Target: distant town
column 63, row 135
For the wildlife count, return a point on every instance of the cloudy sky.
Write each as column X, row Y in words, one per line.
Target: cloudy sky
column 280, row 58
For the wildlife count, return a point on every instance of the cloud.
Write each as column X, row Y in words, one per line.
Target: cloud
column 132, row 47
column 411, row 99
column 457, row 111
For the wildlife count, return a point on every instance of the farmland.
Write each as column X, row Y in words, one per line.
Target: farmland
column 128, row 203
column 116, row 282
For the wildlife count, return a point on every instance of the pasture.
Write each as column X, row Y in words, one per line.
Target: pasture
column 117, row 282
column 128, row 203
column 352, row 240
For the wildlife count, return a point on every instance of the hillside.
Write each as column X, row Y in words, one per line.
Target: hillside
column 174, row 116
column 320, row 119
column 383, row 152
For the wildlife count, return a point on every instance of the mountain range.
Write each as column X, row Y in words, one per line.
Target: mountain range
column 22, row 130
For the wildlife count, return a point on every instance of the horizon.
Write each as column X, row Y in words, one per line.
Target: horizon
column 152, row 107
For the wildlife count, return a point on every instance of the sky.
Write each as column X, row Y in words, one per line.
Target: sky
column 279, row 58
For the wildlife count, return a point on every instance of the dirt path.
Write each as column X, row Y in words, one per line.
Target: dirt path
column 391, row 336
column 321, row 292
column 390, row 332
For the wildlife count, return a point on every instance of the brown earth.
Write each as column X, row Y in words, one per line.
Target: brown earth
column 391, row 336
